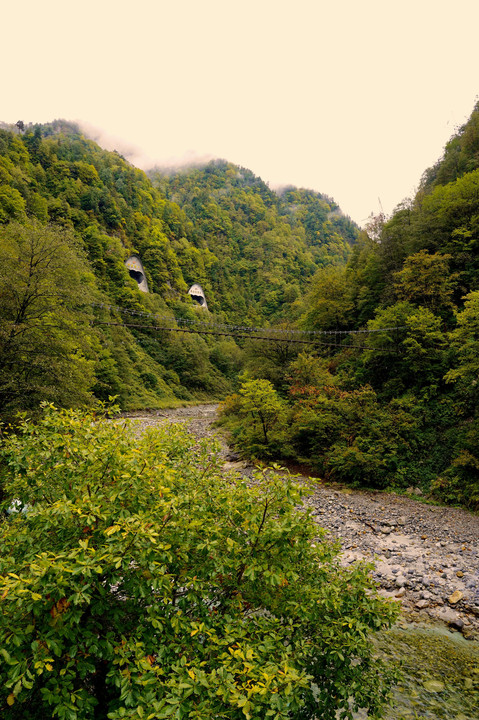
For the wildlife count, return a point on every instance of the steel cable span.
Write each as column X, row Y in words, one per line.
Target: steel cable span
column 233, row 333
column 240, row 328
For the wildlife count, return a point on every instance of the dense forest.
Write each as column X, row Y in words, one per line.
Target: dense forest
column 389, row 399
column 266, row 247
column 74, row 325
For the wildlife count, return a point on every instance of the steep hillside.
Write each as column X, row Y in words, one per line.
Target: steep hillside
column 265, row 247
column 390, row 398
column 461, row 155
column 72, row 215
column 443, row 218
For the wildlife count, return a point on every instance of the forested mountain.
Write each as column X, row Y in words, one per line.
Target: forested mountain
column 264, row 247
column 70, row 216
column 390, row 398
column 139, row 577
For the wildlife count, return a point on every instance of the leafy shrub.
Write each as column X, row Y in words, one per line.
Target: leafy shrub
column 141, row 582
column 349, row 436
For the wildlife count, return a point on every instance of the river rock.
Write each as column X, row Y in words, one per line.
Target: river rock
column 421, row 604
column 450, row 617
column 455, row 597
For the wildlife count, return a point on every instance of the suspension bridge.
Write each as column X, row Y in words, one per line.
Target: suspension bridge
column 140, row 320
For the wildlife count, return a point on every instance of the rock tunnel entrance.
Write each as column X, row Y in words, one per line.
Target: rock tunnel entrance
column 196, row 292
column 198, row 298
column 137, row 272
column 137, row 275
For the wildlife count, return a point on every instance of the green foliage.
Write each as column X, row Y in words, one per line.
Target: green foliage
column 461, row 155
column 263, row 258
column 138, row 581
column 12, row 205
column 227, row 357
column 465, row 344
column 255, row 417
column 329, row 303
column 270, row 358
column 406, row 350
column 46, row 345
column 459, row 483
column 425, row 280
column 345, row 431
column 219, row 225
column 366, row 279
column 348, row 436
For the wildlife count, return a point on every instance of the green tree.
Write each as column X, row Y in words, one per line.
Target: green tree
column 406, row 349
column 262, row 403
column 138, row 581
column 329, row 303
column 12, row 204
column 256, row 418
column 270, row 358
column 45, row 344
column 465, row 343
column 348, row 435
column 425, row 280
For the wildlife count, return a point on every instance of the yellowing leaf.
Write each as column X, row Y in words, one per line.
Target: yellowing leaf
column 112, row 529
column 11, row 699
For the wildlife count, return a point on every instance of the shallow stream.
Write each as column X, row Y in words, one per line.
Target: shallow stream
column 441, row 673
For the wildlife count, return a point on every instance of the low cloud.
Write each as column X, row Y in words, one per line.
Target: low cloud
column 141, row 158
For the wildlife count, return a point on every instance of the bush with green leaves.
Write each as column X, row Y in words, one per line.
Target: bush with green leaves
column 256, row 418
column 138, row 580
column 346, row 435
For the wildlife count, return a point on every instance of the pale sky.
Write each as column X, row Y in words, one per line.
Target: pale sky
column 352, row 98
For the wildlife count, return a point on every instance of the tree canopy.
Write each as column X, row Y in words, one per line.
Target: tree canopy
column 45, row 340
column 394, row 327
